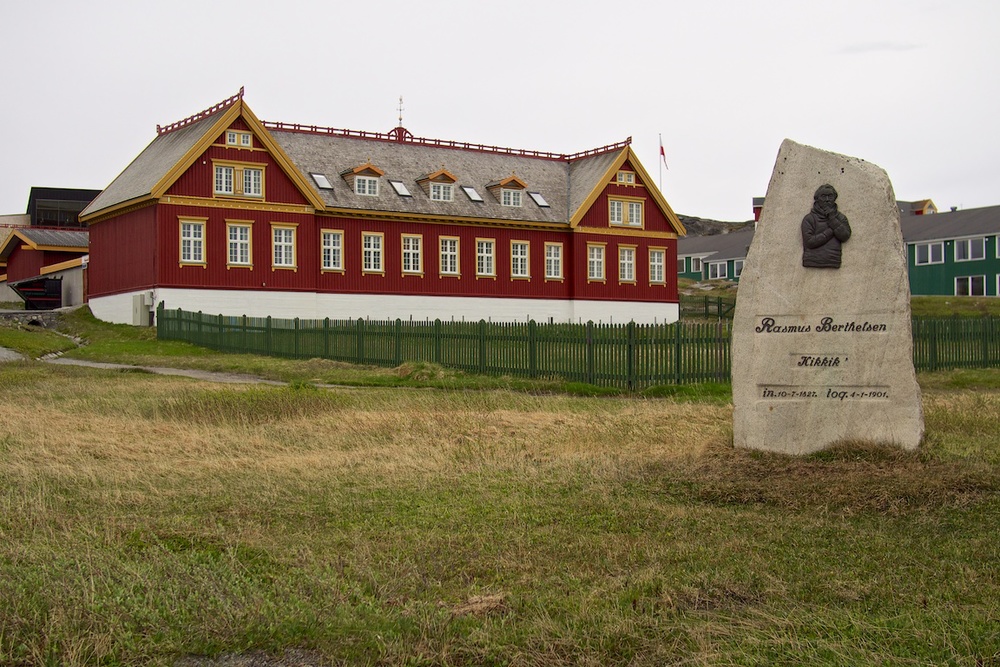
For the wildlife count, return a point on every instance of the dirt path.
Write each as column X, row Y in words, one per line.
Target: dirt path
column 229, row 378
column 10, row 355
column 210, row 376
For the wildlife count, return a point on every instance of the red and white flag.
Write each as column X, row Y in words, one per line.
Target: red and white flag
column 663, row 156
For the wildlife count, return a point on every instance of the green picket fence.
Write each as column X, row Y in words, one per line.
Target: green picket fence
column 707, row 307
column 630, row 356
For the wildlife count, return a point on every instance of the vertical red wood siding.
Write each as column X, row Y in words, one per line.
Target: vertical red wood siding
column 24, row 263
column 199, row 179
column 132, row 267
column 216, row 273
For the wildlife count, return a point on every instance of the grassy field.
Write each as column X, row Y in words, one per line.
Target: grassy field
column 156, row 520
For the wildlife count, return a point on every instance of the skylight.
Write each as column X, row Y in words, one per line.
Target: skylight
column 322, row 181
column 471, row 193
column 400, row 188
column 539, row 199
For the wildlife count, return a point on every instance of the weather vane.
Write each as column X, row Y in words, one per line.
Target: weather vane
column 400, row 111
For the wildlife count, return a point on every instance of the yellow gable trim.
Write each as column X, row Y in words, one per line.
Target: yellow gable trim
column 438, row 175
column 515, row 180
column 367, row 167
column 222, row 123
column 628, row 155
column 61, row 266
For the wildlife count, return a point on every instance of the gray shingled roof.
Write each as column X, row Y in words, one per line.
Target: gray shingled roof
column 733, row 245
column 63, row 238
column 145, row 171
column 60, row 238
column 951, row 224
column 564, row 186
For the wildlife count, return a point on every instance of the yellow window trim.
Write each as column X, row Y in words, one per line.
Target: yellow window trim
column 238, row 168
column 327, row 230
column 294, row 266
column 419, row 237
column 203, row 222
column 381, row 250
column 239, row 223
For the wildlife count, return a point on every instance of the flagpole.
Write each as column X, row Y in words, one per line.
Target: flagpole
column 661, row 162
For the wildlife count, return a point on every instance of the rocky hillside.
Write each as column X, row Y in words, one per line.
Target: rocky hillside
column 701, row 227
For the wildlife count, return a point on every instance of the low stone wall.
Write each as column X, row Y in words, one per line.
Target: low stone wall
column 43, row 318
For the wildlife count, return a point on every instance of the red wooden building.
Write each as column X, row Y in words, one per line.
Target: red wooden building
column 34, row 263
column 223, row 213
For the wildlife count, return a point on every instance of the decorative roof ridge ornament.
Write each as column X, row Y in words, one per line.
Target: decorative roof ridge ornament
column 403, row 136
column 224, row 104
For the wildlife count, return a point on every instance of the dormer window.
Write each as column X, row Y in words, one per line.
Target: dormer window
column 442, row 192
column 363, row 179
column 510, row 197
column 366, row 185
column 509, row 191
column 439, row 186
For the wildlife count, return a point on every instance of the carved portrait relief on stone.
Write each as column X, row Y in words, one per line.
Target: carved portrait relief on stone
column 824, row 231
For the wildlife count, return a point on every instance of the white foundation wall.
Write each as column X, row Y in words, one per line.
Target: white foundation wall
column 312, row 306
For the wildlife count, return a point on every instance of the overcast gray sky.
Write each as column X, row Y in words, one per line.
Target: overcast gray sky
column 913, row 86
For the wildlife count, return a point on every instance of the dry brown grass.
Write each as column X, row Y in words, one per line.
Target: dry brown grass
column 175, row 427
column 148, row 517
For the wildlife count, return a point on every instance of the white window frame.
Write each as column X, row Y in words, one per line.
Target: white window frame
column 283, row 255
column 225, row 179
column 738, row 268
column 486, row 265
column 520, row 259
column 616, row 212
column 696, row 265
column 442, row 192
column 626, row 264
column 969, row 281
column 412, row 256
column 718, row 270
column 332, row 250
column 929, row 248
column 635, row 213
column 237, row 138
column 238, row 247
column 553, row 261
column 366, row 186
column 448, row 256
column 510, row 198
column 968, row 245
column 253, row 182
column 626, row 177
column 372, row 252
column 192, row 241
column 239, row 179
column 595, row 262
column 657, row 266
column 625, row 212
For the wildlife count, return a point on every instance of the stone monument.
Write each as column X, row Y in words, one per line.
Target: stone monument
column 822, row 349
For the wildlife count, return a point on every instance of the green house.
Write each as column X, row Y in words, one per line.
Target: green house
column 713, row 257
column 956, row 253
